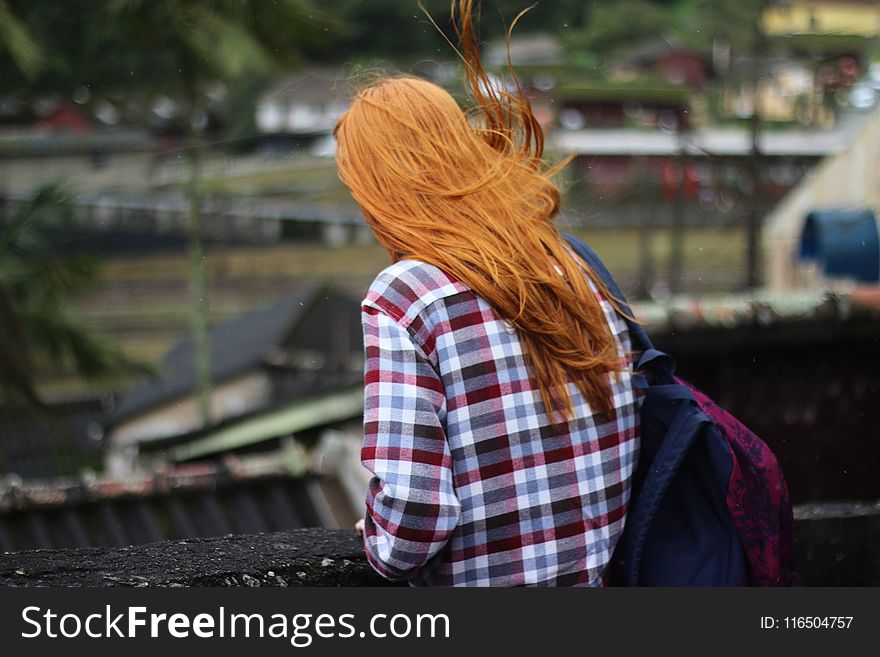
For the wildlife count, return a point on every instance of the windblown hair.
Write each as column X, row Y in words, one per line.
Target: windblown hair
column 469, row 193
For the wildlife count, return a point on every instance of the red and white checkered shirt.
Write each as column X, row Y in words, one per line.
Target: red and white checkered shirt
column 473, row 486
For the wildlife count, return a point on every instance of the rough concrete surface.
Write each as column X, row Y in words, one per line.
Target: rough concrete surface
column 837, row 545
column 305, row 557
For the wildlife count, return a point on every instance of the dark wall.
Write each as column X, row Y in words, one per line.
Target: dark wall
column 812, row 394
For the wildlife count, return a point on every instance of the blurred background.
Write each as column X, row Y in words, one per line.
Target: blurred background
column 181, row 270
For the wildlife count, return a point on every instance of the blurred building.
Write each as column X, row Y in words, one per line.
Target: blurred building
column 667, row 60
column 827, row 17
column 86, row 145
column 86, row 159
column 526, row 50
column 811, row 65
column 612, row 160
column 280, row 451
column 301, row 110
column 292, row 366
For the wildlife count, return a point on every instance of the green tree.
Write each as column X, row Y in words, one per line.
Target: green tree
column 206, row 41
column 733, row 21
column 400, row 30
column 37, row 324
column 612, row 27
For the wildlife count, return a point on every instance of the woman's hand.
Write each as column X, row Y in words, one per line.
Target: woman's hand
column 359, row 527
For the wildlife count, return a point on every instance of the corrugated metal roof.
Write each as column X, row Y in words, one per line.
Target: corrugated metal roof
column 240, row 495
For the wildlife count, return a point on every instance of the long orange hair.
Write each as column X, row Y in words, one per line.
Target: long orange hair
column 470, row 194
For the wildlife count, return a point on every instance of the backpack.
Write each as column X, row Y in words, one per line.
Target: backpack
column 709, row 505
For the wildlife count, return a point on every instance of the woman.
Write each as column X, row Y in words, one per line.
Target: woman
column 500, row 418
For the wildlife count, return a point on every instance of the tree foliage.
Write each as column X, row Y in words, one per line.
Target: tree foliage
column 142, row 47
column 17, row 42
column 138, row 45
column 215, row 39
column 39, row 327
column 613, row 27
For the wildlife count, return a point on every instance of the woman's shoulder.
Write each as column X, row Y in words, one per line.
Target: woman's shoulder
column 404, row 289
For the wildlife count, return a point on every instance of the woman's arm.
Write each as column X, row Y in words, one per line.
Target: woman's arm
column 412, row 508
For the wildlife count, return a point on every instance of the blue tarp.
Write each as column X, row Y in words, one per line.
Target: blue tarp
column 844, row 244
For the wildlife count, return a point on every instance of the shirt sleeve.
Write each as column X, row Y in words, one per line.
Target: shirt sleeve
column 411, row 505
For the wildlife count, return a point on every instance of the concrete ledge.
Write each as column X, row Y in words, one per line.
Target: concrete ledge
column 837, row 545
column 303, row 557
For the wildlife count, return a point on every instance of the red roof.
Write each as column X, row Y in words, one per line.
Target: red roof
column 67, row 119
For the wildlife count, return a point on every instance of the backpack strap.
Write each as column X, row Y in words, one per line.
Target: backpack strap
column 639, row 337
column 661, row 363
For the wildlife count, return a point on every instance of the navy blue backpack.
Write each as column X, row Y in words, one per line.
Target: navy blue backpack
column 679, row 529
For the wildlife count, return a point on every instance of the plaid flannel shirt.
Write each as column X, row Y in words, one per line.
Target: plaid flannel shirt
column 472, row 484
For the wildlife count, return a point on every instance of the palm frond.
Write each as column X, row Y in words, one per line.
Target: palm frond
column 223, row 44
column 37, row 325
column 66, row 341
column 16, row 376
column 19, row 43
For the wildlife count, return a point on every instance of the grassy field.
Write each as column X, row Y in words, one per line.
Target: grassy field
column 706, row 249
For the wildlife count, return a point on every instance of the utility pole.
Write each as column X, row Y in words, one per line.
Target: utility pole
column 676, row 251
column 646, row 237
column 755, row 161
column 198, row 283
